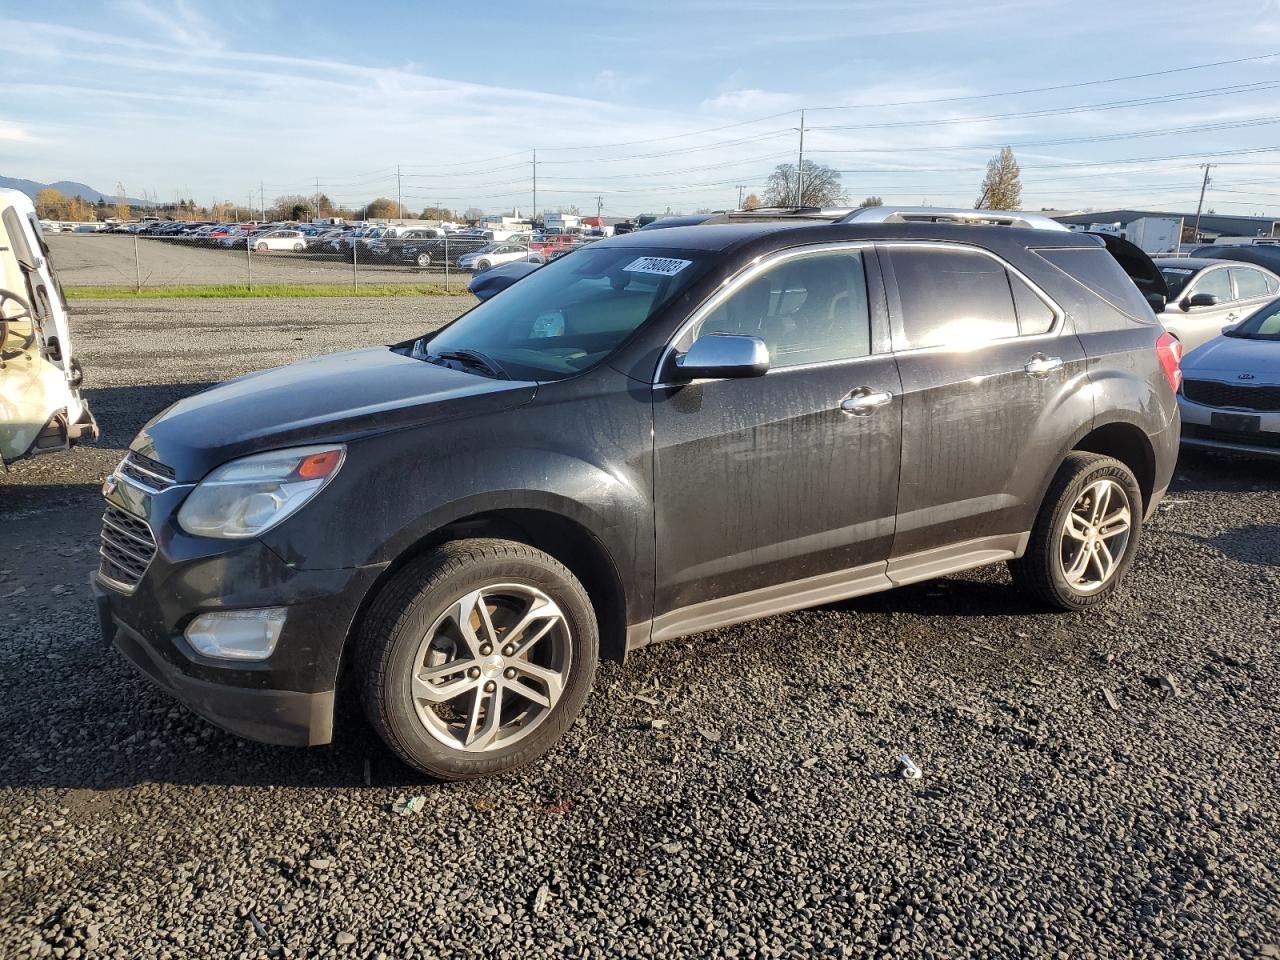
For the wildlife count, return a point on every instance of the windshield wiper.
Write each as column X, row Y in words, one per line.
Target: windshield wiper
column 473, row 358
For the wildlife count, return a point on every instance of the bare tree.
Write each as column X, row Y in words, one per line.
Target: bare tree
column 821, row 186
column 871, row 202
column 1002, row 186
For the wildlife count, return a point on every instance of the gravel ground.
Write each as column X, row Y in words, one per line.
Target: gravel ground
column 87, row 259
column 730, row 795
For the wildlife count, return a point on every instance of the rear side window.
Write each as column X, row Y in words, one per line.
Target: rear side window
column 950, row 297
column 1250, row 283
column 1034, row 315
column 1097, row 269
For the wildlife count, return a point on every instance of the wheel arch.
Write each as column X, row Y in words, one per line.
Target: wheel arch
column 1128, row 443
column 562, row 537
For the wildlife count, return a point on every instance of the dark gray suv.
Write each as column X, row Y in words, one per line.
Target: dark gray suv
column 661, row 433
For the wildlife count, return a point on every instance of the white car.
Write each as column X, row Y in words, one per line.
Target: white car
column 1205, row 295
column 1230, row 395
column 41, row 410
column 280, row 240
column 493, row 254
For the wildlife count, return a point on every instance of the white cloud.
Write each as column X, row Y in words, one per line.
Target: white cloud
column 12, row 133
column 176, row 22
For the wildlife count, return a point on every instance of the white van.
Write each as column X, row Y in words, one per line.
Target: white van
column 40, row 406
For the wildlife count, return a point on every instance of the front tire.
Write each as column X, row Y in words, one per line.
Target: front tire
column 424, row 259
column 477, row 657
column 1085, row 535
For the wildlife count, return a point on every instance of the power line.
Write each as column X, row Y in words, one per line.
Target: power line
column 1054, row 87
column 1202, row 94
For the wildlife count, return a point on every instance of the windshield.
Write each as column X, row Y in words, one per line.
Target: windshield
column 1176, row 279
column 566, row 317
column 1263, row 325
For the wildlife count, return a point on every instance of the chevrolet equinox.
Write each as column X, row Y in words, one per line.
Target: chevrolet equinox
column 660, row 434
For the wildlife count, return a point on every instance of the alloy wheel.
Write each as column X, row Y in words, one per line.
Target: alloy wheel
column 1095, row 535
column 492, row 667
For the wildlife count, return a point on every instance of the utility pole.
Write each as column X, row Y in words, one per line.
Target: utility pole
column 316, row 215
column 399, row 205
column 800, row 166
column 599, row 210
column 741, row 187
column 534, row 215
column 1203, row 185
column 262, row 203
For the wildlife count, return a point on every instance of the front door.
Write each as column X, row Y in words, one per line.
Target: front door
column 769, row 482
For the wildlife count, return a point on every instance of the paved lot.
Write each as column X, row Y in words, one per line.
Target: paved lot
column 765, row 820
column 86, row 259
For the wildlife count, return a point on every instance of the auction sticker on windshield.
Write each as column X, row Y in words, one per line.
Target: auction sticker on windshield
column 663, row 266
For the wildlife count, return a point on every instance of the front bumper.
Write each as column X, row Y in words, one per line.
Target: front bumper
column 287, row 698
column 1200, row 432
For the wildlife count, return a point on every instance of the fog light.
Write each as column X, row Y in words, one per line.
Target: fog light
column 237, row 634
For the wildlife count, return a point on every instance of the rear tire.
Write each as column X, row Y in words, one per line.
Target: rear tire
column 1085, row 535
column 424, row 259
column 429, row 686
column 262, row 248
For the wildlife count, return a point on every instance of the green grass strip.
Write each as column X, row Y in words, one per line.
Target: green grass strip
column 263, row 290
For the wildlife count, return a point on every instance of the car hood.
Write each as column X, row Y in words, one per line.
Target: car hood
column 338, row 397
column 1226, row 358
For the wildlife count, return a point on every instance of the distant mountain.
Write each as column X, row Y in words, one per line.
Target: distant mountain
column 68, row 188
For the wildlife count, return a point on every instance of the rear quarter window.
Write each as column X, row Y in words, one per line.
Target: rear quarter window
column 1096, row 269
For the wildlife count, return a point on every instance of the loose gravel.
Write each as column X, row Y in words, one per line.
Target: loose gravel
column 1092, row 785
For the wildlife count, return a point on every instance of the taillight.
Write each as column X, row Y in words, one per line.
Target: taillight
column 1169, row 350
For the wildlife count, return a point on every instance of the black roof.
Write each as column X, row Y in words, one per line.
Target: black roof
column 1196, row 263
column 725, row 236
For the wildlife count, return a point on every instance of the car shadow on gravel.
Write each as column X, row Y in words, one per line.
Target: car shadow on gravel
column 950, row 597
column 122, row 411
column 1223, row 473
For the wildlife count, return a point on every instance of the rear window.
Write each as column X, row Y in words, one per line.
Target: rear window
column 1097, row 269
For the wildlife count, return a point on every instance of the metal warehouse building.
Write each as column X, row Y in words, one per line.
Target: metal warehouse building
column 1212, row 225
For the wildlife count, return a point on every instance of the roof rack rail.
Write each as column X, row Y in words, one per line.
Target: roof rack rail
column 998, row 218
column 823, row 213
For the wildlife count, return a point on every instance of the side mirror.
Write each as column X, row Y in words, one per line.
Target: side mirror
column 723, row 356
column 1199, row 300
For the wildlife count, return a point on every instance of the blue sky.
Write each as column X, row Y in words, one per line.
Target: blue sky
column 648, row 105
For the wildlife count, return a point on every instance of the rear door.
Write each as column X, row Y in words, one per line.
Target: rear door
column 1253, row 288
column 984, row 361
column 764, row 484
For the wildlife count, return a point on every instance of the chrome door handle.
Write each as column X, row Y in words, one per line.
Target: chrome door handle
column 864, row 401
column 1041, row 366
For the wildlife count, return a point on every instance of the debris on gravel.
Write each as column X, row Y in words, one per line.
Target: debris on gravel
column 1048, row 824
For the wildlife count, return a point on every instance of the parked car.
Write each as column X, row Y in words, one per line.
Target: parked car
column 1262, row 254
column 435, row 251
column 664, row 433
column 492, row 282
column 1230, row 398
column 41, row 409
column 279, row 240
column 1205, row 295
column 493, row 254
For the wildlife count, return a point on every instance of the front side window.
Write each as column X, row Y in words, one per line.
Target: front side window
column 1249, row 283
column 1263, row 325
column 951, row 298
column 570, row 315
column 807, row 309
column 1215, row 282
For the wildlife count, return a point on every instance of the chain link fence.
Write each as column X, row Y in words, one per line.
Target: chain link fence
column 288, row 256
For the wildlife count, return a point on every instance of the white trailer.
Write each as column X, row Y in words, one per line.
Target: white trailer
column 1155, row 234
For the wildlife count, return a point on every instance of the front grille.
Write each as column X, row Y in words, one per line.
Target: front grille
column 127, row 548
column 150, row 473
column 1214, row 394
column 1195, row 431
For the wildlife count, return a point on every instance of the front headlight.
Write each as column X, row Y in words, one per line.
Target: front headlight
column 248, row 496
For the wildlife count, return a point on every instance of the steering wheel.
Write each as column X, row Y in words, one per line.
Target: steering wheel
column 24, row 313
